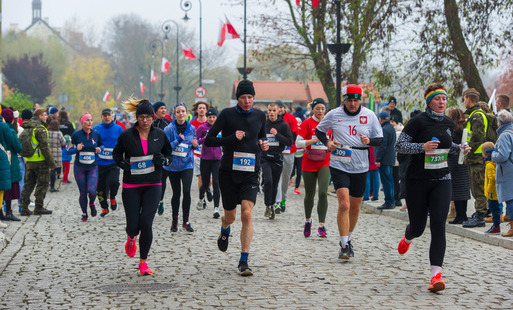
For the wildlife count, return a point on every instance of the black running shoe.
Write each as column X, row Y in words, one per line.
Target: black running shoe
column 187, row 227
column 350, row 246
column 209, row 195
column 344, row 252
column 244, row 269
column 222, row 242
column 174, row 227
column 93, row 210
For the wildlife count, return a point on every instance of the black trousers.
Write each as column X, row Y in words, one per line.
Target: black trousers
column 140, row 205
column 433, row 197
column 296, row 169
column 397, row 190
column 165, row 175
column 108, row 183
column 271, row 172
column 185, row 177
column 210, row 168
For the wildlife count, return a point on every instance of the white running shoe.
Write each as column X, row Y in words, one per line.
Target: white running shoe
column 216, row 213
column 3, row 225
column 32, row 204
column 199, row 205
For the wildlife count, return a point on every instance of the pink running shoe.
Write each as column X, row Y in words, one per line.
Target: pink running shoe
column 296, row 191
column 403, row 246
column 322, row 232
column 143, row 268
column 130, row 246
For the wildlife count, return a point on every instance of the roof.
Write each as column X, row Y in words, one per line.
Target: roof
column 55, row 32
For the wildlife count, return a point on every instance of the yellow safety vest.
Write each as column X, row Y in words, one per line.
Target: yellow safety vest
column 38, row 156
column 485, row 120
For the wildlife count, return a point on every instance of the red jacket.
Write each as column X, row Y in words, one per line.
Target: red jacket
column 291, row 120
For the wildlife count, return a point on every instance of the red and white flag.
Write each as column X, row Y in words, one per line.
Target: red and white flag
column 106, row 96
column 165, row 65
column 153, row 76
column 226, row 31
column 118, row 98
column 187, row 52
column 315, row 3
column 142, row 87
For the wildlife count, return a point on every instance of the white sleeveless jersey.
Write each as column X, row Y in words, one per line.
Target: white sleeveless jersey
column 346, row 130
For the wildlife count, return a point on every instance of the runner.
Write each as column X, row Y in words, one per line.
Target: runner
column 86, row 143
column 141, row 152
column 354, row 129
column 210, row 161
column 243, row 132
column 108, row 171
column 199, row 109
column 296, row 168
column 278, row 137
column 315, row 167
column 182, row 136
column 428, row 138
column 161, row 122
column 288, row 158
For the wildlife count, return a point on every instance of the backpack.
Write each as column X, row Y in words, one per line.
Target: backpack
column 26, row 143
column 491, row 125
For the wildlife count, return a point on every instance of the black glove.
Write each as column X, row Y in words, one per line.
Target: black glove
column 160, row 160
column 125, row 165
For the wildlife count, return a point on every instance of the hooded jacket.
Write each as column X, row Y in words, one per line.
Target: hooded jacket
column 109, row 134
column 180, row 146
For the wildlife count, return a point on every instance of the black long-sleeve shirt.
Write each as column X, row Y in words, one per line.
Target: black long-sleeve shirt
column 283, row 135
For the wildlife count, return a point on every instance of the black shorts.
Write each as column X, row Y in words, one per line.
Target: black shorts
column 355, row 182
column 235, row 188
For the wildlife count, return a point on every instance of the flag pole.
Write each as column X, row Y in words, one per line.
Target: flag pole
column 245, row 75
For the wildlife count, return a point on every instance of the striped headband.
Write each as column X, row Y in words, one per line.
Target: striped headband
column 438, row 91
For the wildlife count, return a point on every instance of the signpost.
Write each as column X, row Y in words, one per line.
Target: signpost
column 200, row 92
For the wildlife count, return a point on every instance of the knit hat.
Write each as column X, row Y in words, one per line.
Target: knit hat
column 145, row 107
column 392, row 99
column 158, row 104
column 384, row 115
column 245, row 87
column 16, row 114
column 26, row 114
column 317, row 101
column 352, row 91
column 211, row 112
column 53, row 110
column 7, row 115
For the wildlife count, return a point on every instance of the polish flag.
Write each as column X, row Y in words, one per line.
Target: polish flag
column 106, row 96
column 222, row 33
column 153, row 77
column 232, row 33
column 187, row 52
column 165, row 65
column 226, row 31
column 142, row 87
column 315, row 3
column 118, row 98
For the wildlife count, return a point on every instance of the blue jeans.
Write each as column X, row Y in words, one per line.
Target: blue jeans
column 372, row 184
column 496, row 210
column 509, row 209
column 387, row 179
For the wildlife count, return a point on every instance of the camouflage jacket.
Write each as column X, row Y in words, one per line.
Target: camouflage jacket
column 41, row 135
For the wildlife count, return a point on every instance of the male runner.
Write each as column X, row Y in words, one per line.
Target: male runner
column 354, row 128
column 243, row 132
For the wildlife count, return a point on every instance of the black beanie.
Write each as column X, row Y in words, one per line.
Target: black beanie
column 211, row 112
column 158, row 104
column 145, row 107
column 245, row 87
column 26, row 114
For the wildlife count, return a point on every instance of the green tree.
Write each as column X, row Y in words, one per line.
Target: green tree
column 18, row 101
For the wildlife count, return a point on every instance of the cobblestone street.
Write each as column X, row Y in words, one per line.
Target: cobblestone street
column 57, row 262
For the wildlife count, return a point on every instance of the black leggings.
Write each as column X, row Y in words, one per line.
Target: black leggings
column 296, row 168
column 186, row 177
column 271, row 173
column 108, row 183
column 433, row 197
column 165, row 175
column 140, row 206
column 210, row 168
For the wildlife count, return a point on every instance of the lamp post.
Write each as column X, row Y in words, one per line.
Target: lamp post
column 186, row 6
column 166, row 27
column 245, row 73
column 153, row 46
column 338, row 49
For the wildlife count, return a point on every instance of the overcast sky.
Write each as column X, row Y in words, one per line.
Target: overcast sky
column 99, row 12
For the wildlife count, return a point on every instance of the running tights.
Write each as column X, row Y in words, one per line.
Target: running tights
column 140, row 206
column 210, row 168
column 322, row 178
column 87, row 180
column 185, row 177
column 271, row 173
column 297, row 169
column 433, row 197
column 108, row 184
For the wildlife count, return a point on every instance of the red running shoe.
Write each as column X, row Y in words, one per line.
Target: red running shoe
column 436, row 283
column 143, row 268
column 403, row 246
column 296, row 191
column 130, row 246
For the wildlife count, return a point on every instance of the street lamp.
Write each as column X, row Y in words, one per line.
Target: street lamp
column 153, row 45
column 186, row 6
column 166, row 27
column 338, row 49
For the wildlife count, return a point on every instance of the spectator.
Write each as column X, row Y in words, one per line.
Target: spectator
column 394, row 112
column 300, row 113
column 490, row 190
column 385, row 159
column 53, row 114
column 398, row 127
column 56, row 141
column 503, row 157
column 65, row 126
column 372, row 184
column 502, row 102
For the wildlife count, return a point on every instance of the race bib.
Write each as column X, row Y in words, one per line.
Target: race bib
column 197, row 150
column 106, row 153
column 286, row 150
column 181, row 150
column 271, row 139
column 142, row 164
column 436, row 159
column 86, row 158
column 243, row 162
column 318, row 145
column 342, row 154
